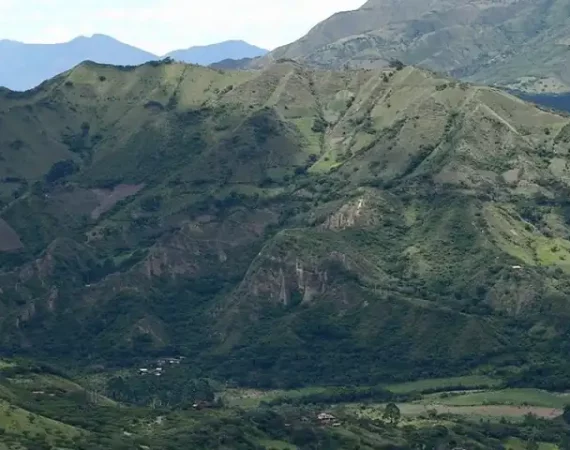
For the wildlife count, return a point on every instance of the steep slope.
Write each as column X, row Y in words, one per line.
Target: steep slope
column 24, row 66
column 214, row 53
column 373, row 15
column 283, row 225
column 516, row 43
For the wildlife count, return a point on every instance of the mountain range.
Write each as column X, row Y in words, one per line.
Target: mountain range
column 516, row 44
column 326, row 249
column 25, row 66
column 519, row 44
column 261, row 222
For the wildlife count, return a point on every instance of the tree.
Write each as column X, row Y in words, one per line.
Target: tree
column 396, row 64
column 564, row 442
column 392, row 413
column 152, row 203
column 532, row 443
column 566, row 414
column 432, row 414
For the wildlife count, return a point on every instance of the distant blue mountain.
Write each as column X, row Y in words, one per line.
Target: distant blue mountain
column 210, row 54
column 24, row 66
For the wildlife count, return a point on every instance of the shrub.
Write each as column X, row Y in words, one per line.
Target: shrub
column 320, row 125
column 61, row 169
column 154, row 104
column 300, row 171
column 17, row 144
column 151, row 204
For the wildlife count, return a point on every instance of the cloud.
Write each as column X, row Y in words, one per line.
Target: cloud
column 5, row 8
column 163, row 25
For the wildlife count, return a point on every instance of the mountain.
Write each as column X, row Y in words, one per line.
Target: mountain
column 210, row 54
column 521, row 44
column 25, row 66
column 285, row 225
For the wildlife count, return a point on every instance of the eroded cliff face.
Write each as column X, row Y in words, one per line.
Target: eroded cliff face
column 208, row 245
column 286, row 280
column 317, row 265
column 368, row 209
column 58, row 282
column 293, row 269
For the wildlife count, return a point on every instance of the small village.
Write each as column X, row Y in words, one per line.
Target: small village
column 160, row 366
column 327, row 419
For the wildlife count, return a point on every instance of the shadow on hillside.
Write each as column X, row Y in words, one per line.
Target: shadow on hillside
column 560, row 102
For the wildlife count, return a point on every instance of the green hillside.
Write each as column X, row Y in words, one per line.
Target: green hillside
column 520, row 44
column 281, row 243
column 287, row 225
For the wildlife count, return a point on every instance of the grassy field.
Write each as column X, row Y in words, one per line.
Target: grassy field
column 488, row 404
column 277, row 445
column 411, row 412
column 513, row 397
column 490, row 412
column 468, row 382
column 252, row 398
column 512, row 404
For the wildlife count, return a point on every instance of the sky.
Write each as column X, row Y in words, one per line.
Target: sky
column 160, row 26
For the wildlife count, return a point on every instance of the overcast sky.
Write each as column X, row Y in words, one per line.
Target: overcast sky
column 163, row 25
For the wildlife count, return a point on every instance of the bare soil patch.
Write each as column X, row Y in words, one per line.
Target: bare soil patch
column 110, row 197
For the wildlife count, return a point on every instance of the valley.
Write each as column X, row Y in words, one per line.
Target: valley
column 40, row 409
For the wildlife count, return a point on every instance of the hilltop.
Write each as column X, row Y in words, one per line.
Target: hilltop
column 520, row 44
column 283, row 225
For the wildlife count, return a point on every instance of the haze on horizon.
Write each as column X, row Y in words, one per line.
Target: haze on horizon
column 160, row 26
